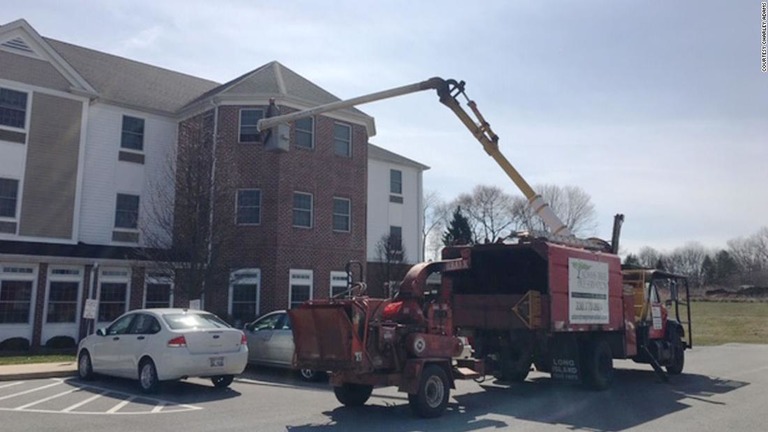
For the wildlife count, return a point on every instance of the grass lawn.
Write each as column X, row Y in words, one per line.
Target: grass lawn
column 716, row 323
column 43, row 358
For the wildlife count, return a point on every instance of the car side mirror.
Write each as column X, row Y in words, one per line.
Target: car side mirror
column 101, row 332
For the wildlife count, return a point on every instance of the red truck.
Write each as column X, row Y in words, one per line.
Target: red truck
column 562, row 304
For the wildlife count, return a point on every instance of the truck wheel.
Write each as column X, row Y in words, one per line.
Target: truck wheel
column 353, row 395
column 598, row 365
column 514, row 365
column 678, row 355
column 434, row 390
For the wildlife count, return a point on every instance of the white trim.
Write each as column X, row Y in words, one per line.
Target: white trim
column 109, row 275
column 337, row 279
column 240, row 123
column 27, row 112
column 300, row 275
column 32, row 276
column 160, row 279
column 311, row 132
column 80, row 172
column 143, row 134
column 79, row 278
column 333, row 139
column 237, row 206
column 311, row 210
column 349, row 215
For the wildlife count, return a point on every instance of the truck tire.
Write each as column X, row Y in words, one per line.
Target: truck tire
column 434, row 391
column 514, row 365
column 353, row 395
column 598, row 365
column 678, row 354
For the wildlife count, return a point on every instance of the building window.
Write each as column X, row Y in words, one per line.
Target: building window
column 127, row 211
column 395, row 238
column 302, row 210
column 305, row 132
column 8, row 196
column 301, row 287
column 15, row 301
column 249, row 118
column 244, row 295
column 13, row 108
column 62, row 302
column 248, row 207
column 338, row 283
column 396, row 182
column 132, row 137
column 341, row 214
column 158, row 291
column 112, row 300
column 342, row 139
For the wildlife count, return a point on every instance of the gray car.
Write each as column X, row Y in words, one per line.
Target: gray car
column 270, row 343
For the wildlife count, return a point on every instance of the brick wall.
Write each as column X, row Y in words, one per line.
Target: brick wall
column 274, row 245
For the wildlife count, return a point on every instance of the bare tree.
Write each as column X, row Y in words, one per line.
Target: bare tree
column 489, row 210
column 751, row 256
column 436, row 214
column 688, row 260
column 390, row 254
column 570, row 203
column 649, row 257
column 182, row 235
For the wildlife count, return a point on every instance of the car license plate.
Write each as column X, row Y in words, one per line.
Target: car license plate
column 217, row 361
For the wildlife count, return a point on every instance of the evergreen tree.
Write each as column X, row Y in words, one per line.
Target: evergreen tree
column 458, row 231
column 725, row 266
column 632, row 260
column 708, row 271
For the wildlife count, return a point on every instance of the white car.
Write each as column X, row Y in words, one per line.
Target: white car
column 270, row 343
column 154, row 345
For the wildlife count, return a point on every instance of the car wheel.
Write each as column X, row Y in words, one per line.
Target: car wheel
column 353, row 395
column 148, row 376
column 222, row 381
column 434, row 391
column 310, row 375
column 84, row 366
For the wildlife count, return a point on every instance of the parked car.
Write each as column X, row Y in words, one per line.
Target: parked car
column 154, row 345
column 270, row 343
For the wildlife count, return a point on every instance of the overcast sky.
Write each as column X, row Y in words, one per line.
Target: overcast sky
column 658, row 110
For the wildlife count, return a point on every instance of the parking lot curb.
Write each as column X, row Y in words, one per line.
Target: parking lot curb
column 37, row 371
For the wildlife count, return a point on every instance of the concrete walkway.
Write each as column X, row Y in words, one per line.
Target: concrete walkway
column 37, row 370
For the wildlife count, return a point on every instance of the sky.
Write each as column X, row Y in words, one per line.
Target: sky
column 658, row 110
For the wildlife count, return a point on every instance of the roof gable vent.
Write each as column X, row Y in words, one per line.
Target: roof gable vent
column 18, row 44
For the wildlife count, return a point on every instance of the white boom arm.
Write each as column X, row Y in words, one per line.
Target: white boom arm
column 448, row 91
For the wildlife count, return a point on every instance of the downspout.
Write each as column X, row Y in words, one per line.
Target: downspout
column 211, row 198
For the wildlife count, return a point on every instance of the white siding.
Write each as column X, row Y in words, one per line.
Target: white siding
column 105, row 175
column 382, row 213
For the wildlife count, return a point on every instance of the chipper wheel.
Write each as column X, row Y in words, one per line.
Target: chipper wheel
column 598, row 365
column 353, row 395
column 434, row 390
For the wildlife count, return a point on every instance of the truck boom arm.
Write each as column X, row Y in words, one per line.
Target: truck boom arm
column 448, row 92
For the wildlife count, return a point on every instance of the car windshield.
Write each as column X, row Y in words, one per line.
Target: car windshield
column 185, row 321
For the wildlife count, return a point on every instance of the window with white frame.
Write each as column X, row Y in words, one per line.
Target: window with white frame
column 339, row 283
column 248, row 207
column 158, row 290
column 244, row 294
column 341, row 214
column 113, row 293
column 305, row 132
column 16, row 290
column 132, row 136
column 302, row 210
column 9, row 193
column 342, row 139
column 249, row 118
column 127, row 211
column 396, row 182
column 13, row 108
column 300, row 288
column 63, row 295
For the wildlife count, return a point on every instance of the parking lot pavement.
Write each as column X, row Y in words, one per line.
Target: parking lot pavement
column 37, row 370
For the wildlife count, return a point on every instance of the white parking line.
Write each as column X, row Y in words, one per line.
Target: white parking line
column 117, row 407
column 81, row 403
column 11, row 384
column 47, row 399
column 30, row 391
column 158, row 408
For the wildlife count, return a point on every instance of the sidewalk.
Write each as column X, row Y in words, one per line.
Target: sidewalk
column 37, row 370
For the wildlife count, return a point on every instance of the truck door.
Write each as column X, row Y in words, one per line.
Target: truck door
column 658, row 313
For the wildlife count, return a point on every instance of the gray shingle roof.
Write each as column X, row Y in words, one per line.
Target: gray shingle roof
column 378, row 153
column 132, row 83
